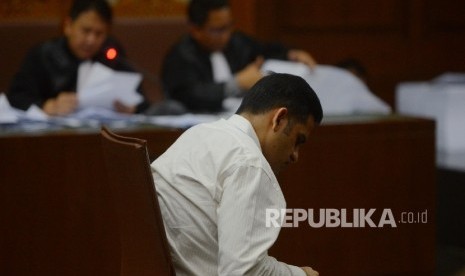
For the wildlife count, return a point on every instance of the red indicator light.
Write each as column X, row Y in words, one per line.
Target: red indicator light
column 111, row 53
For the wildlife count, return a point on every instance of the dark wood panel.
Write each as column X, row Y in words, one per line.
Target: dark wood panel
column 57, row 215
column 346, row 15
column 445, row 16
column 54, row 9
column 383, row 171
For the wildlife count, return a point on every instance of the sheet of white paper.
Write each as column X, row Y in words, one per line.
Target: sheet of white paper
column 7, row 114
column 36, row 114
column 339, row 91
column 83, row 73
column 100, row 86
column 97, row 113
column 95, row 75
column 125, row 85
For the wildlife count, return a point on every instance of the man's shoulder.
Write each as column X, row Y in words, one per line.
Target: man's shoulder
column 222, row 134
column 51, row 53
column 218, row 132
column 240, row 38
column 48, row 47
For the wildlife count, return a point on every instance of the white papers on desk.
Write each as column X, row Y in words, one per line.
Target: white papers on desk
column 36, row 114
column 442, row 101
column 11, row 115
column 7, row 115
column 339, row 91
column 100, row 86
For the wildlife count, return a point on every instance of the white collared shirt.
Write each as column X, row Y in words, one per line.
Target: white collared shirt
column 214, row 185
column 220, row 67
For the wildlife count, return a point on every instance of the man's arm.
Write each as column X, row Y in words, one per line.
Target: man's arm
column 187, row 78
column 187, row 85
column 30, row 86
column 27, row 84
column 277, row 51
column 243, row 237
column 302, row 56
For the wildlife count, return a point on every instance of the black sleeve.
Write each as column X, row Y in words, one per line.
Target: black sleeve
column 187, row 78
column 29, row 85
column 187, row 73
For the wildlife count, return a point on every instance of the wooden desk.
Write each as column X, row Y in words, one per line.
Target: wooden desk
column 379, row 164
column 56, row 215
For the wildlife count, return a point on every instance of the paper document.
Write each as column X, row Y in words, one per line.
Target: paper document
column 339, row 91
column 36, row 114
column 10, row 115
column 100, row 86
column 7, row 114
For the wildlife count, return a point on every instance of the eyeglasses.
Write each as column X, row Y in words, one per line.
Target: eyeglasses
column 220, row 30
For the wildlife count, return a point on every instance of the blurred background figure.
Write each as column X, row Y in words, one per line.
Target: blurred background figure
column 355, row 67
column 49, row 73
column 213, row 62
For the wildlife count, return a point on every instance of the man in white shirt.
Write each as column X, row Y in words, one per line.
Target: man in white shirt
column 216, row 181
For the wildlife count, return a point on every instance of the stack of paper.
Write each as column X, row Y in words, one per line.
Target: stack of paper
column 100, row 86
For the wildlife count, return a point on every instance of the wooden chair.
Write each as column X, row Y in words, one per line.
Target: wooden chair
column 144, row 247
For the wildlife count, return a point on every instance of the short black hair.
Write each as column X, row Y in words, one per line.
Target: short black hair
column 283, row 90
column 198, row 10
column 101, row 7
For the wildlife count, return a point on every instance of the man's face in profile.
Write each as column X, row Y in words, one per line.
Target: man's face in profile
column 214, row 35
column 86, row 34
column 284, row 142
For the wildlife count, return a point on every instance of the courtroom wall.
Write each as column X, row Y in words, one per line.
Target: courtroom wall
column 396, row 40
column 27, row 9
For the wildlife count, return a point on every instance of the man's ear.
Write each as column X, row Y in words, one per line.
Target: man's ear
column 280, row 119
column 194, row 30
column 67, row 22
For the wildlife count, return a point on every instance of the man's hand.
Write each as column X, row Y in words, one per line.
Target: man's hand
column 122, row 108
column 64, row 104
column 303, row 57
column 309, row 271
column 248, row 76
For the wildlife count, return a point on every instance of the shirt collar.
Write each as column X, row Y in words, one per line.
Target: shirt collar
column 245, row 126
